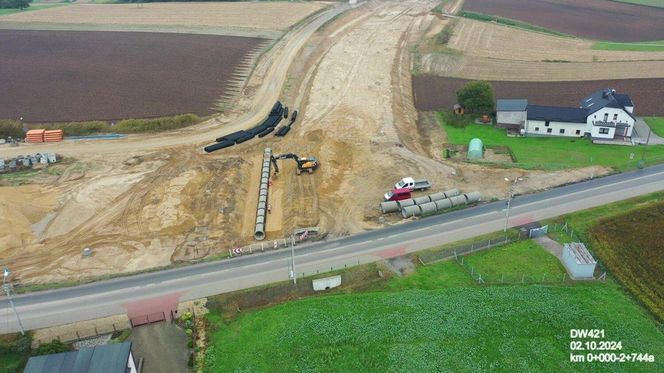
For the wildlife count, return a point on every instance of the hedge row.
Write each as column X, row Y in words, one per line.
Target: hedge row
column 123, row 126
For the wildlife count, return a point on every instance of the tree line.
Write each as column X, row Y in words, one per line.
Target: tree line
column 14, row 4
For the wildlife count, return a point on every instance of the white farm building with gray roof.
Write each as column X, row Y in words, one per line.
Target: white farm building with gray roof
column 604, row 115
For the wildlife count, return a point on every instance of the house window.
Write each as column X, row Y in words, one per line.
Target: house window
column 615, row 117
column 606, row 117
column 603, row 131
column 549, row 130
column 578, row 132
column 546, row 124
column 536, row 129
column 562, row 131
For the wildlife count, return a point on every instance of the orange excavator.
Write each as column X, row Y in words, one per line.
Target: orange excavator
column 308, row 164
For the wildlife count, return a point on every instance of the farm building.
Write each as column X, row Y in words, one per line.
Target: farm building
column 511, row 114
column 109, row 358
column 475, row 149
column 578, row 261
column 604, row 115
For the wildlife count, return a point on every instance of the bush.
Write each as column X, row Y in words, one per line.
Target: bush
column 54, row 347
column 14, row 4
column 458, row 121
column 445, row 34
column 11, row 128
column 124, row 126
column 477, row 97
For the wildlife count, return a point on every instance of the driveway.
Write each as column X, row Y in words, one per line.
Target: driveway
column 163, row 347
column 640, row 133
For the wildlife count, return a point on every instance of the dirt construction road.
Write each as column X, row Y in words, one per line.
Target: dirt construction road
column 153, row 200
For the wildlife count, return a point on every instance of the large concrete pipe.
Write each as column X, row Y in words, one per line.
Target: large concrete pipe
column 421, row 200
column 458, row 200
column 259, row 232
column 261, row 207
column 405, row 202
column 389, row 206
column 428, row 208
column 451, row 193
column 443, row 204
column 472, row 197
column 410, row 211
column 437, row 196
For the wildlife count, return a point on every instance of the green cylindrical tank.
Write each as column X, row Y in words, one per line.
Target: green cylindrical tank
column 475, row 149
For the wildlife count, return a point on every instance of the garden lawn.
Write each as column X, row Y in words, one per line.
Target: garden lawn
column 466, row 329
column 656, row 124
column 552, row 153
column 516, row 261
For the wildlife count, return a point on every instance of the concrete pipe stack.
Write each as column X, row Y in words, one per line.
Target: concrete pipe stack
column 472, row 197
column 261, row 208
column 410, row 211
column 458, row 200
column 389, row 206
column 451, row 193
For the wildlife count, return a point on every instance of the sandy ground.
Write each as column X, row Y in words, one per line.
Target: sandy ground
column 150, row 200
column 260, row 15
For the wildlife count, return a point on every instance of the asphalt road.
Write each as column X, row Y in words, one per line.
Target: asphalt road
column 107, row 298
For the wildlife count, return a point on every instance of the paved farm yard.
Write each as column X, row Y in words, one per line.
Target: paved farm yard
column 75, row 76
column 592, row 19
column 438, row 93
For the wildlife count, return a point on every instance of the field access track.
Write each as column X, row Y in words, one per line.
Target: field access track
column 592, row 19
column 435, row 92
column 59, row 76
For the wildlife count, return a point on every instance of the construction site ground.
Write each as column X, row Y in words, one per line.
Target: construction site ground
column 151, row 200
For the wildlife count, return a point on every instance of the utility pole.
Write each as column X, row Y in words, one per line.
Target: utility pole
column 7, row 286
column 509, row 200
column 292, row 246
column 643, row 156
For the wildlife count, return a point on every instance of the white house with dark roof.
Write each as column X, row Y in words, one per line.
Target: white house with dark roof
column 604, row 115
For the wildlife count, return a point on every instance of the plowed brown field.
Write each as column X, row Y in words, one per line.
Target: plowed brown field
column 433, row 92
column 593, row 19
column 75, row 76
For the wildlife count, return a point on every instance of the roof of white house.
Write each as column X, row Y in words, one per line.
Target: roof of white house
column 606, row 98
column 557, row 114
column 511, row 105
column 580, row 253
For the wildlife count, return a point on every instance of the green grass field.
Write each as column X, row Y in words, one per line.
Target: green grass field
column 656, row 124
column 438, row 319
column 646, row 46
column 510, row 263
column 4, row 12
column 655, row 3
column 553, row 152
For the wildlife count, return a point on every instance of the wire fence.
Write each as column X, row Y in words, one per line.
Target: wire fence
column 433, row 256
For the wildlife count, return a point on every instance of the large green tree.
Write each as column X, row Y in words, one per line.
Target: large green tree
column 15, row 4
column 477, row 97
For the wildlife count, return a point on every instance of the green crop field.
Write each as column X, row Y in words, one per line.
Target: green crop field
column 646, row 46
column 656, row 124
column 553, row 152
column 438, row 319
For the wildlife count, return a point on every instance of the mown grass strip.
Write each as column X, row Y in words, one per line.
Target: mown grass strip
column 511, row 22
column 656, row 124
column 651, row 46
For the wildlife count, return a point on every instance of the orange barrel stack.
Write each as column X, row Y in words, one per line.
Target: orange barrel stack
column 35, row 136
column 53, row 135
